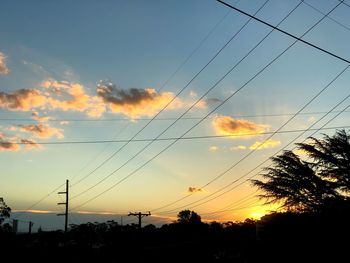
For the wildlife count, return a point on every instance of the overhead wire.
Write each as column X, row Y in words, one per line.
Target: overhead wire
column 265, row 161
column 98, row 154
column 170, row 118
column 199, row 137
column 329, row 17
column 258, row 73
column 288, row 121
column 171, row 76
column 344, row 3
column 287, row 33
column 166, row 129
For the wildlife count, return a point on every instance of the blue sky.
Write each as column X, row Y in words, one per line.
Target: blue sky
column 63, row 49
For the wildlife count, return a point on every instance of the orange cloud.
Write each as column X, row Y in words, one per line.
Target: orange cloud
column 36, row 211
column 226, row 125
column 72, row 96
column 136, row 102
column 11, row 143
column 259, row 145
column 30, row 144
column 22, row 100
column 39, row 130
column 35, row 116
column 8, row 144
column 194, row 190
column 3, row 67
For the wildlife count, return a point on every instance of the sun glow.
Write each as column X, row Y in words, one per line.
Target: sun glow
column 257, row 215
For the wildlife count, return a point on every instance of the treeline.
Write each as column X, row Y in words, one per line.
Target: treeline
column 310, row 183
column 278, row 237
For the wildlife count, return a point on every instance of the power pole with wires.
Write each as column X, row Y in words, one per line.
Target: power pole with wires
column 66, row 204
column 139, row 215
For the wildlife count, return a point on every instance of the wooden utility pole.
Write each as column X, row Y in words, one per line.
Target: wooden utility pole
column 66, row 204
column 139, row 215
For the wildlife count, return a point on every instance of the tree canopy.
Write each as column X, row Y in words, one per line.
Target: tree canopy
column 4, row 211
column 188, row 217
column 309, row 185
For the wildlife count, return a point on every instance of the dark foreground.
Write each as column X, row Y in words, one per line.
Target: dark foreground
column 276, row 238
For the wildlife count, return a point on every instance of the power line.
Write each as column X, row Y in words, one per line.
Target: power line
column 39, row 201
column 258, row 73
column 154, row 118
column 197, row 74
column 247, row 198
column 344, row 3
column 186, row 138
column 289, row 120
column 329, row 17
column 97, row 155
column 250, row 204
column 183, row 114
column 255, row 168
column 287, row 33
column 194, row 51
column 170, row 118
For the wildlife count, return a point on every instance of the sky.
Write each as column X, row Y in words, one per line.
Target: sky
column 75, row 75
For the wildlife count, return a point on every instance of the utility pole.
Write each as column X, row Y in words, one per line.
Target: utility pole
column 66, row 204
column 30, row 227
column 139, row 215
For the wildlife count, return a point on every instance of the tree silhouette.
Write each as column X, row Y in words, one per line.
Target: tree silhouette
column 331, row 155
column 188, row 217
column 4, row 211
column 309, row 185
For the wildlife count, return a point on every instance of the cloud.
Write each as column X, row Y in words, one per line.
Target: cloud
column 136, row 102
column 312, row 119
column 194, row 190
column 64, row 122
column 259, row 145
column 72, row 96
column 39, row 130
column 3, row 67
column 8, row 143
column 13, row 143
column 22, row 100
column 36, row 211
column 8, row 146
column 213, row 148
column 193, row 94
column 213, row 101
column 226, row 125
column 30, row 144
column 35, row 116
column 239, row 147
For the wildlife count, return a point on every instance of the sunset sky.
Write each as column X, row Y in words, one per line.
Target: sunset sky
column 83, row 72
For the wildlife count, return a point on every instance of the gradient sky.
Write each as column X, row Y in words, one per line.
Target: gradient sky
column 91, row 71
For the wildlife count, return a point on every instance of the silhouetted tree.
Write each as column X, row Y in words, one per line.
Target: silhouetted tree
column 294, row 184
column 187, row 216
column 5, row 211
column 331, row 155
column 309, row 185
